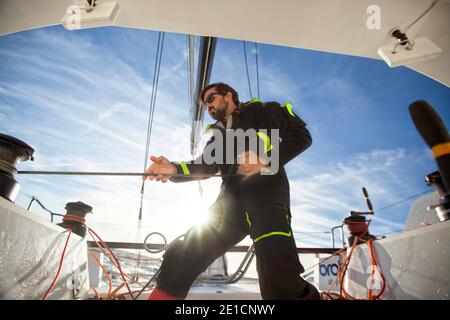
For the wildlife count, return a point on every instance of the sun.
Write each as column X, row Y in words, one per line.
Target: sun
column 201, row 217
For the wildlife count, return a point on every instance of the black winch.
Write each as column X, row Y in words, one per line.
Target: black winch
column 12, row 152
column 74, row 218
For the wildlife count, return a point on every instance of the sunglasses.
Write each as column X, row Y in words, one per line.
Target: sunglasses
column 210, row 97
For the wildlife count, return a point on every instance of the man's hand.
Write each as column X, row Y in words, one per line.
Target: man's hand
column 160, row 165
column 250, row 164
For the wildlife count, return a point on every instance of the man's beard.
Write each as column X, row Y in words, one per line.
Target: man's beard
column 220, row 114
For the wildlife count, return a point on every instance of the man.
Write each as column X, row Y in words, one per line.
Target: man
column 250, row 201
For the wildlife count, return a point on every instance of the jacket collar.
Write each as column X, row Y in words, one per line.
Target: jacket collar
column 242, row 108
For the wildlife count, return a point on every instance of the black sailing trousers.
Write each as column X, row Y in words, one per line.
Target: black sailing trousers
column 277, row 261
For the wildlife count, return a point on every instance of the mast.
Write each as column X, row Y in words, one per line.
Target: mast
column 205, row 62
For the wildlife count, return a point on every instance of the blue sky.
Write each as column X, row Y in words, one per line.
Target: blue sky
column 81, row 100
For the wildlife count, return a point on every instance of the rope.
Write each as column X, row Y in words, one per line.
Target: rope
column 343, row 294
column 147, row 284
column 108, row 278
column 117, row 264
column 110, row 257
column 59, row 267
column 166, row 247
column 7, row 167
column 97, row 295
column 73, row 218
column 341, row 275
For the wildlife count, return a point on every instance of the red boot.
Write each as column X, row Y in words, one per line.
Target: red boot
column 159, row 294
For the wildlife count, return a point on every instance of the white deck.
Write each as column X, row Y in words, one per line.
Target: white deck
column 225, row 292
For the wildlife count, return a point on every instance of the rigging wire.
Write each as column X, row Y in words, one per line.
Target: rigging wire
column 431, row 6
column 178, row 175
column 404, row 200
column 190, row 44
column 311, row 232
column 306, row 234
column 156, row 70
column 257, row 69
column 246, row 68
column 302, row 237
column 33, row 199
column 188, row 76
column 122, row 174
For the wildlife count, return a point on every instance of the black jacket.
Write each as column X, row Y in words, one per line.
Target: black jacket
column 257, row 189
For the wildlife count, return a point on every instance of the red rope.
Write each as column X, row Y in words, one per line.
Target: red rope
column 111, row 256
column 375, row 267
column 117, row 264
column 108, row 278
column 343, row 294
column 59, row 268
column 357, row 226
column 71, row 217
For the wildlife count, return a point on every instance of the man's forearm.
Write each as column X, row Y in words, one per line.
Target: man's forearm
column 191, row 171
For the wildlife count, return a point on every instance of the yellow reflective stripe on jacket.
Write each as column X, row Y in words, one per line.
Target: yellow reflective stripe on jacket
column 253, row 101
column 289, row 107
column 267, row 145
column 184, row 168
column 275, row 233
column 208, row 128
column 248, row 219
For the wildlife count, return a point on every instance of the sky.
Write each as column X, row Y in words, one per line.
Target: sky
column 81, row 100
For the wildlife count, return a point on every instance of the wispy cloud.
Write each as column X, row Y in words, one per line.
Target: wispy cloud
column 323, row 195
